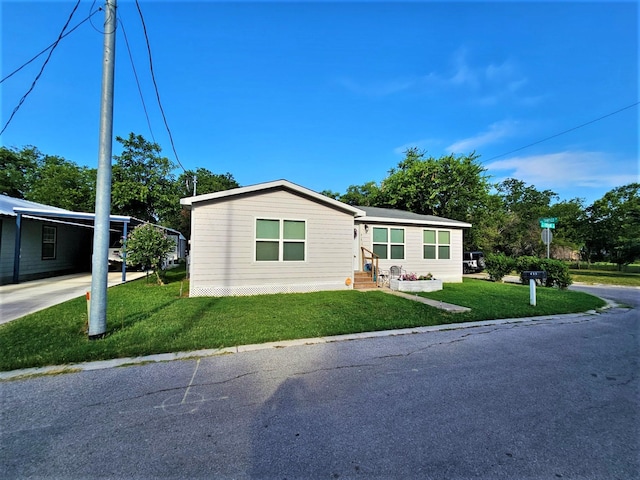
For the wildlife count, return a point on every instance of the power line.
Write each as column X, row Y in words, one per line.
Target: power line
column 24, row 97
column 135, row 74
column 50, row 46
column 153, row 77
column 563, row 132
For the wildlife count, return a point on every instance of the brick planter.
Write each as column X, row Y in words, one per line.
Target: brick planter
column 415, row 285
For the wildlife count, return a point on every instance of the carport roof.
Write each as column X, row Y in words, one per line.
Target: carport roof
column 13, row 206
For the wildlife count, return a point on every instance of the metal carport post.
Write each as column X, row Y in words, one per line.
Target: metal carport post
column 37, row 214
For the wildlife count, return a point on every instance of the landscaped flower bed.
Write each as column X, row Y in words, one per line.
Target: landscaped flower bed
column 410, row 282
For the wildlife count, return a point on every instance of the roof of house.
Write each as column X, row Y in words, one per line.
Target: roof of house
column 390, row 215
column 275, row 185
column 362, row 214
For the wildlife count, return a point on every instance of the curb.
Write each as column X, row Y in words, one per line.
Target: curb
column 168, row 357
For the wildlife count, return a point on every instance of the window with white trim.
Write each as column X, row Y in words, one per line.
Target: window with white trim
column 388, row 243
column 280, row 240
column 49, row 242
column 436, row 244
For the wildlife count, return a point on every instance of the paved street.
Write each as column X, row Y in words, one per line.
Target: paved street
column 554, row 398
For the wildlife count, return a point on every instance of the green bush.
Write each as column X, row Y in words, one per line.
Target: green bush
column 557, row 271
column 499, row 265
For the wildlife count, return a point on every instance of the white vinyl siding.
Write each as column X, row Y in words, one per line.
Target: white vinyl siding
column 224, row 238
column 448, row 270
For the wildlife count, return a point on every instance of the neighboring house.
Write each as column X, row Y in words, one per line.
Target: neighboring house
column 180, row 249
column 55, row 241
column 49, row 246
column 279, row 237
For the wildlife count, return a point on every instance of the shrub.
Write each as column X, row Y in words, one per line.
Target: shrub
column 557, row 271
column 498, row 265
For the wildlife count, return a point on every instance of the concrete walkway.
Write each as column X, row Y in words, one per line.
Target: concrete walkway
column 19, row 300
column 427, row 301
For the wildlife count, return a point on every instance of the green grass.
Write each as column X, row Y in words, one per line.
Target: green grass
column 605, row 277
column 604, row 266
column 144, row 318
column 489, row 300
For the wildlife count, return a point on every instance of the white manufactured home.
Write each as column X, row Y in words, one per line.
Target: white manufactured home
column 279, row 237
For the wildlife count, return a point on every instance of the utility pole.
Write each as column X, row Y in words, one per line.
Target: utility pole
column 100, row 261
column 195, row 182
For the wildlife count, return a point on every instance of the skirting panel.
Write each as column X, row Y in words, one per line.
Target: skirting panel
column 212, row 291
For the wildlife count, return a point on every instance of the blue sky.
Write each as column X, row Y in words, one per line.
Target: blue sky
column 330, row 94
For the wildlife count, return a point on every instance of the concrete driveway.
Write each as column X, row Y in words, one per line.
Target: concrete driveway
column 19, row 300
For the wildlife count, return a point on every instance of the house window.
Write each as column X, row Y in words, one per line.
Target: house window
column 278, row 240
column 436, row 244
column 388, row 243
column 48, row 242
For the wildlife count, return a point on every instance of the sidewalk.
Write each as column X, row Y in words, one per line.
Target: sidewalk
column 19, row 300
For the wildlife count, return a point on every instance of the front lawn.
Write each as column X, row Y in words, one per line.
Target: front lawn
column 144, row 318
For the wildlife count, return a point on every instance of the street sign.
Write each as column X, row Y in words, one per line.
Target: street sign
column 547, row 236
column 549, row 222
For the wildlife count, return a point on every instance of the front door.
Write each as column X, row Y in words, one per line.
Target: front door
column 357, row 252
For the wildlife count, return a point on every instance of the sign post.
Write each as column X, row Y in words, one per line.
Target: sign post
column 547, row 223
column 532, row 276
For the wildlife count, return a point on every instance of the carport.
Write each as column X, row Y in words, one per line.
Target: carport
column 120, row 223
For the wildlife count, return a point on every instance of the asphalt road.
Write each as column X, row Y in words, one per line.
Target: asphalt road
column 547, row 399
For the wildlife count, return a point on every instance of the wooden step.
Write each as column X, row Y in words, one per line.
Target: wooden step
column 363, row 281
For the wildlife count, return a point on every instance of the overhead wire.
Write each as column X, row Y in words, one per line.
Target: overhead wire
column 33, row 84
column 50, row 46
column 563, row 132
column 153, row 77
column 135, row 74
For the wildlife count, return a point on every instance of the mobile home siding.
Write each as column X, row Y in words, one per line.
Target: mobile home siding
column 446, row 270
column 73, row 250
column 223, row 246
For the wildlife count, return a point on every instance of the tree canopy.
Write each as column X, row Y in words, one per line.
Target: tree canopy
column 149, row 245
column 504, row 215
column 142, row 180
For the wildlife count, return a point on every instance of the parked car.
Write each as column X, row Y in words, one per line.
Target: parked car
column 473, row 262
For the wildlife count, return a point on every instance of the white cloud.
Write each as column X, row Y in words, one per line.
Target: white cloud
column 567, row 169
column 496, row 131
column 485, row 85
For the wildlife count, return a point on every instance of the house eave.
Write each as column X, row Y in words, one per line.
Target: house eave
column 403, row 221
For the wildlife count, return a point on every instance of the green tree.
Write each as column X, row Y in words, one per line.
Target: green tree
column 570, row 231
column 143, row 185
column 449, row 186
column 366, row 195
column 17, row 168
column 149, row 245
column 179, row 218
column 522, row 206
column 614, row 226
column 61, row 183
